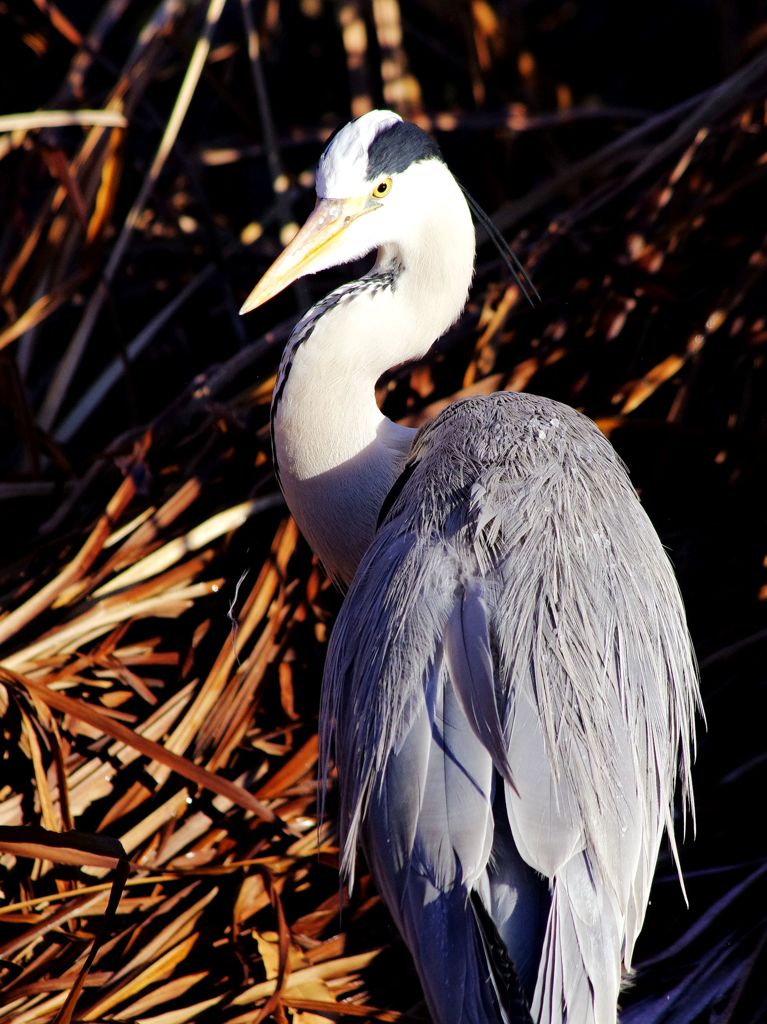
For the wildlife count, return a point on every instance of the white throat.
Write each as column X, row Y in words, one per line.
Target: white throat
column 337, row 455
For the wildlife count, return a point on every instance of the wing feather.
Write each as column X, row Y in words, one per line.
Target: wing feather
column 509, row 694
column 470, row 664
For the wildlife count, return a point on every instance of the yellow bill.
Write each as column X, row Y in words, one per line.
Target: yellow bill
column 316, row 247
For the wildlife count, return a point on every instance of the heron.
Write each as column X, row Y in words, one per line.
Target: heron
column 510, row 691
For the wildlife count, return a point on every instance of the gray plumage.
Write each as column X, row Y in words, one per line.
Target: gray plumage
column 508, row 696
column 510, row 690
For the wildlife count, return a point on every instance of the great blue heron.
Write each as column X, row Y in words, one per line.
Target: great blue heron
column 510, row 689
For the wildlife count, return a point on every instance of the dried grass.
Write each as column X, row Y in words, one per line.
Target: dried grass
column 163, row 626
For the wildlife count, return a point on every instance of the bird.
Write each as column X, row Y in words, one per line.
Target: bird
column 510, row 691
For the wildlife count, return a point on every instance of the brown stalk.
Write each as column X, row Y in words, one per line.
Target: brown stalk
column 33, row 606
column 180, row 765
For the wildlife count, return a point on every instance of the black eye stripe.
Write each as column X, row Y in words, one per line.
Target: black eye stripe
column 398, row 146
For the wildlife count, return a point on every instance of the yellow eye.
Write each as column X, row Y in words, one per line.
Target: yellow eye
column 383, row 188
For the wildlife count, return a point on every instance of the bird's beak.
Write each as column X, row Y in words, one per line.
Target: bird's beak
column 313, row 248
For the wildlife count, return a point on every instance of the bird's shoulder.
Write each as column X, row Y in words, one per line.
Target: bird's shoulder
column 500, row 440
column 490, row 428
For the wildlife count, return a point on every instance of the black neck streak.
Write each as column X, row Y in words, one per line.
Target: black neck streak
column 371, row 284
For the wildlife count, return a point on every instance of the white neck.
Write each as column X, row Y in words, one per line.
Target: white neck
column 337, row 454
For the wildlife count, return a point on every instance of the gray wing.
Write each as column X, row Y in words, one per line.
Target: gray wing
column 509, row 696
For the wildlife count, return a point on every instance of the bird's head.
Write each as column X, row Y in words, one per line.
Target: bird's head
column 376, row 180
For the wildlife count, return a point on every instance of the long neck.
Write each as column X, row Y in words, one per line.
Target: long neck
column 337, row 455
